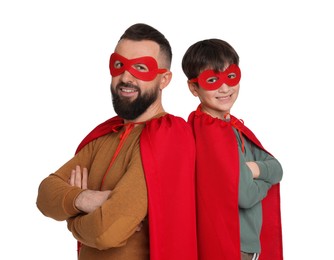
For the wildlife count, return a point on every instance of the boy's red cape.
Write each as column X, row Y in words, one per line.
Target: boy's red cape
column 217, row 182
column 168, row 155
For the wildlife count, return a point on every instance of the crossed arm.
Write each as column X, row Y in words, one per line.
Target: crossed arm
column 88, row 200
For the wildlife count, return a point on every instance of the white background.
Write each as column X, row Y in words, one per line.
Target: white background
column 54, row 88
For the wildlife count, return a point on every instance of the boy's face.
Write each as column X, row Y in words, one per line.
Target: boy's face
column 216, row 102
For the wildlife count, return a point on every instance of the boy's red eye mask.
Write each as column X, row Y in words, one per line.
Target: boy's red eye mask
column 143, row 68
column 211, row 80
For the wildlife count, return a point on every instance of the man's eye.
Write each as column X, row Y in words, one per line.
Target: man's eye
column 118, row 64
column 232, row 76
column 140, row 67
column 212, row 80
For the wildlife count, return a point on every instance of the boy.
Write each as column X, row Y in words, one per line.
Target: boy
column 238, row 199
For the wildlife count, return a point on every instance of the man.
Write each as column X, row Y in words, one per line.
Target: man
column 128, row 193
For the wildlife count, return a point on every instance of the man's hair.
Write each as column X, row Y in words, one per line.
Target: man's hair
column 141, row 31
column 214, row 54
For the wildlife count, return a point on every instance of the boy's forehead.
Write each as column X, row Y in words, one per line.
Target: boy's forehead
column 216, row 67
column 131, row 49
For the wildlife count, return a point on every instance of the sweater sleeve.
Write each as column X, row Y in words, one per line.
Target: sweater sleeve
column 270, row 168
column 251, row 191
column 117, row 219
column 55, row 198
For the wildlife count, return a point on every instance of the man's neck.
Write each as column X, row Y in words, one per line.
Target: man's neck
column 147, row 115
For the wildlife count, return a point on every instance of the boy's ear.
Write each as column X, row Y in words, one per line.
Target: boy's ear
column 193, row 88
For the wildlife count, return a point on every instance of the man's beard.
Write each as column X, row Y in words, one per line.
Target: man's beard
column 127, row 109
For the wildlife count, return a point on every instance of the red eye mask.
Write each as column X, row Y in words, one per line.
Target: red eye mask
column 210, row 80
column 118, row 64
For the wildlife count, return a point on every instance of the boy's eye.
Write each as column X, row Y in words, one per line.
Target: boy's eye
column 232, row 75
column 212, row 79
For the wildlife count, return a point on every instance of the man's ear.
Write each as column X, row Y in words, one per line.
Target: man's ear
column 165, row 79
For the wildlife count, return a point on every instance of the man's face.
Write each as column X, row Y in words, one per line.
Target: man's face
column 133, row 93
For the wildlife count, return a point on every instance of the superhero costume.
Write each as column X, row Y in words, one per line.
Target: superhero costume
column 217, row 193
column 168, row 155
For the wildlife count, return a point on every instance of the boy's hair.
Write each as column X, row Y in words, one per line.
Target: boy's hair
column 141, row 31
column 213, row 54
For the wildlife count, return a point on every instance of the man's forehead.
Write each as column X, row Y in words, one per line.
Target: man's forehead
column 135, row 49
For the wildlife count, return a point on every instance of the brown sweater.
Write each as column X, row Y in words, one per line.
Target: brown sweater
column 110, row 231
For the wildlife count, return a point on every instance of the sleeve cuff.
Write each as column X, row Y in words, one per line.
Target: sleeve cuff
column 69, row 200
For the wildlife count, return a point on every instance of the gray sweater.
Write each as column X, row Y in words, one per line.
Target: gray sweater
column 252, row 191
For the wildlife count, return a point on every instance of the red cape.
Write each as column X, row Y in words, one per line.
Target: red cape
column 168, row 155
column 217, row 194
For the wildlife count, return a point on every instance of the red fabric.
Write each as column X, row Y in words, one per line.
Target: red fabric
column 168, row 156
column 106, row 127
column 271, row 232
column 217, row 193
column 131, row 66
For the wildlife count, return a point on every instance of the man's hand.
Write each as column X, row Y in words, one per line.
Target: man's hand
column 77, row 180
column 88, row 200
